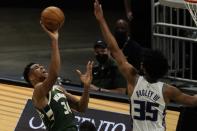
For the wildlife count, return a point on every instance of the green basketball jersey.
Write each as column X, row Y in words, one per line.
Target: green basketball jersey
column 57, row 115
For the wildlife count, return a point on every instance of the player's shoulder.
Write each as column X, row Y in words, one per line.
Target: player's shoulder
column 169, row 91
column 168, row 87
column 58, row 88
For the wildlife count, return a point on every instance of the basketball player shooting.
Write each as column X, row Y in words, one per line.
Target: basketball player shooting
column 148, row 95
column 51, row 101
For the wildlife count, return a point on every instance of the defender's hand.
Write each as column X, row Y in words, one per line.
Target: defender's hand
column 98, row 12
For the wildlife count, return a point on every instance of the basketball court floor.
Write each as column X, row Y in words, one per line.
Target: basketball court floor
column 14, row 98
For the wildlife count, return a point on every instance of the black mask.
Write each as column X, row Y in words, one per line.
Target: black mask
column 102, row 58
column 121, row 38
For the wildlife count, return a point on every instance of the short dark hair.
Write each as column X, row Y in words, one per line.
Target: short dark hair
column 87, row 126
column 155, row 63
column 100, row 44
column 26, row 72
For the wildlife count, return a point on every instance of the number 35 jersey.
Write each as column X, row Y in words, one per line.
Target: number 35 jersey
column 148, row 106
column 57, row 115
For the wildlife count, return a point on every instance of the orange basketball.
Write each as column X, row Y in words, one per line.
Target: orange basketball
column 52, row 17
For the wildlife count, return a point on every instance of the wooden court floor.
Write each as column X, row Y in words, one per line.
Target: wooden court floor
column 13, row 99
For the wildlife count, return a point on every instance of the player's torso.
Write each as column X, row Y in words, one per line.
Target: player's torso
column 148, row 106
column 57, row 114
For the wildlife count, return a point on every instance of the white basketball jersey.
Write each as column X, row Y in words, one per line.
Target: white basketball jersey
column 148, row 106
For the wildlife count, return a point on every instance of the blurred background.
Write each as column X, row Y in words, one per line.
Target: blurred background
column 22, row 39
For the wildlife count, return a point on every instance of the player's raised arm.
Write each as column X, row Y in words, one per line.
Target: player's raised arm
column 86, row 79
column 51, row 23
column 126, row 69
column 42, row 89
column 108, row 37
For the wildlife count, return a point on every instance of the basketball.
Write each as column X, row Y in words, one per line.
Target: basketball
column 52, row 17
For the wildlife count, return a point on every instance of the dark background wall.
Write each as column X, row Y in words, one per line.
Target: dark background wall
column 22, row 39
column 69, row 4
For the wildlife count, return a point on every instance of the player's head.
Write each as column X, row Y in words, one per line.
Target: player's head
column 121, row 32
column 154, row 64
column 101, row 51
column 34, row 73
column 87, row 126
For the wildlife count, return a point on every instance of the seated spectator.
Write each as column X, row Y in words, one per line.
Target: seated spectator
column 106, row 75
column 131, row 49
column 87, row 126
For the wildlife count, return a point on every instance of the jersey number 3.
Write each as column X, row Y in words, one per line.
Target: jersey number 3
column 66, row 107
column 146, row 110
